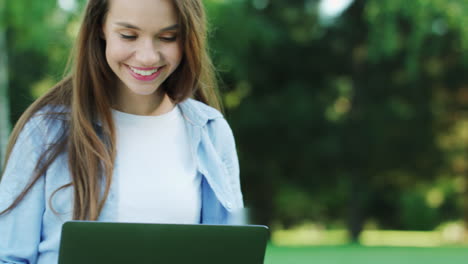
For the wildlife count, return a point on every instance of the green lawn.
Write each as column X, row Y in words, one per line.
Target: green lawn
column 362, row 255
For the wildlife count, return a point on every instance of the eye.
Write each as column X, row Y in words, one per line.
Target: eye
column 127, row 36
column 168, row 39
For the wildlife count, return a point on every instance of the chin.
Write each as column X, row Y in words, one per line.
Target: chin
column 144, row 92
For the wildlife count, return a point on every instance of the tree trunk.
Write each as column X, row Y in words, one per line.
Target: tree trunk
column 4, row 101
column 356, row 207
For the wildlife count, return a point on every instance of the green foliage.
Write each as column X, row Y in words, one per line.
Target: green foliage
column 346, row 104
column 30, row 23
column 397, row 25
column 38, row 46
column 415, row 212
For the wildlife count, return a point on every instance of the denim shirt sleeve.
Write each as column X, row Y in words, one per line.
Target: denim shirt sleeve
column 224, row 143
column 20, row 228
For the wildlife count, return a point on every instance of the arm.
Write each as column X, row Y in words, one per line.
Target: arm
column 224, row 142
column 20, row 228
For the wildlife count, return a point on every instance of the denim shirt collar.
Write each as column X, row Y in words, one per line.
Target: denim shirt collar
column 192, row 112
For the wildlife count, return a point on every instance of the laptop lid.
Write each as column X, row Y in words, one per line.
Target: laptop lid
column 115, row 243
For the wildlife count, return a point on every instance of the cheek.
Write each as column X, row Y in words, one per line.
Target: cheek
column 117, row 51
column 174, row 54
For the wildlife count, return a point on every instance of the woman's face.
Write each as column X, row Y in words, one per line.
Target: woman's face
column 142, row 43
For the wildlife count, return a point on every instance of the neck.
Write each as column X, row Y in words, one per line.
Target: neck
column 147, row 105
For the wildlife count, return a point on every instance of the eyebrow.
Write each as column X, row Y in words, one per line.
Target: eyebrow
column 127, row 25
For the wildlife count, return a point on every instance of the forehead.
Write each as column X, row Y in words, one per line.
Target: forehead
column 146, row 14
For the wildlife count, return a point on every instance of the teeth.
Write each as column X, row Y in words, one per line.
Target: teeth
column 144, row 73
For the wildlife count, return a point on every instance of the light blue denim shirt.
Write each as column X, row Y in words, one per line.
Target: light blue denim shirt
column 30, row 233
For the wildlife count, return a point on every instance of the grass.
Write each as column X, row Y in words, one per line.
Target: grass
column 354, row 254
column 309, row 244
column 451, row 234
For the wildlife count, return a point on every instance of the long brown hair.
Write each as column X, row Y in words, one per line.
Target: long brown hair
column 86, row 92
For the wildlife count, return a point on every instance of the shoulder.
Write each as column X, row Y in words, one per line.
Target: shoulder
column 46, row 123
column 210, row 120
column 203, row 115
column 51, row 116
column 204, row 108
column 33, row 135
column 199, row 113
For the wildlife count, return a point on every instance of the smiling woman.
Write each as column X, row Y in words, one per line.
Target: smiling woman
column 133, row 134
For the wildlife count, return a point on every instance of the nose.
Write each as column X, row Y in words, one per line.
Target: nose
column 148, row 54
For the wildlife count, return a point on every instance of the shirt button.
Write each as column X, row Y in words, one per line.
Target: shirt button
column 228, row 205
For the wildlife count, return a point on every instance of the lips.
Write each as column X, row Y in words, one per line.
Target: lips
column 144, row 74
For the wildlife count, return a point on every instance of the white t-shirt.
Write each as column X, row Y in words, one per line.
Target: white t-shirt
column 157, row 175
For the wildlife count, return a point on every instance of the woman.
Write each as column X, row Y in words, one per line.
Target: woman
column 121, row 138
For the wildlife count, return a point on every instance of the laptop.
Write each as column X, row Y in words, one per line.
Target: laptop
column 116, row 243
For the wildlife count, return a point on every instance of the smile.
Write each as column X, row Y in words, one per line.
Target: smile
column 145, row 74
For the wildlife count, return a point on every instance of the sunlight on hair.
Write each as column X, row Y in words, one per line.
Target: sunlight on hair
column 67, row 5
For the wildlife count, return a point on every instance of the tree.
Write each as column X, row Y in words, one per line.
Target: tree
column 342, row 114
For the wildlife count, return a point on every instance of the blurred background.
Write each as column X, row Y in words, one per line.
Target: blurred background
column 350, row 116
